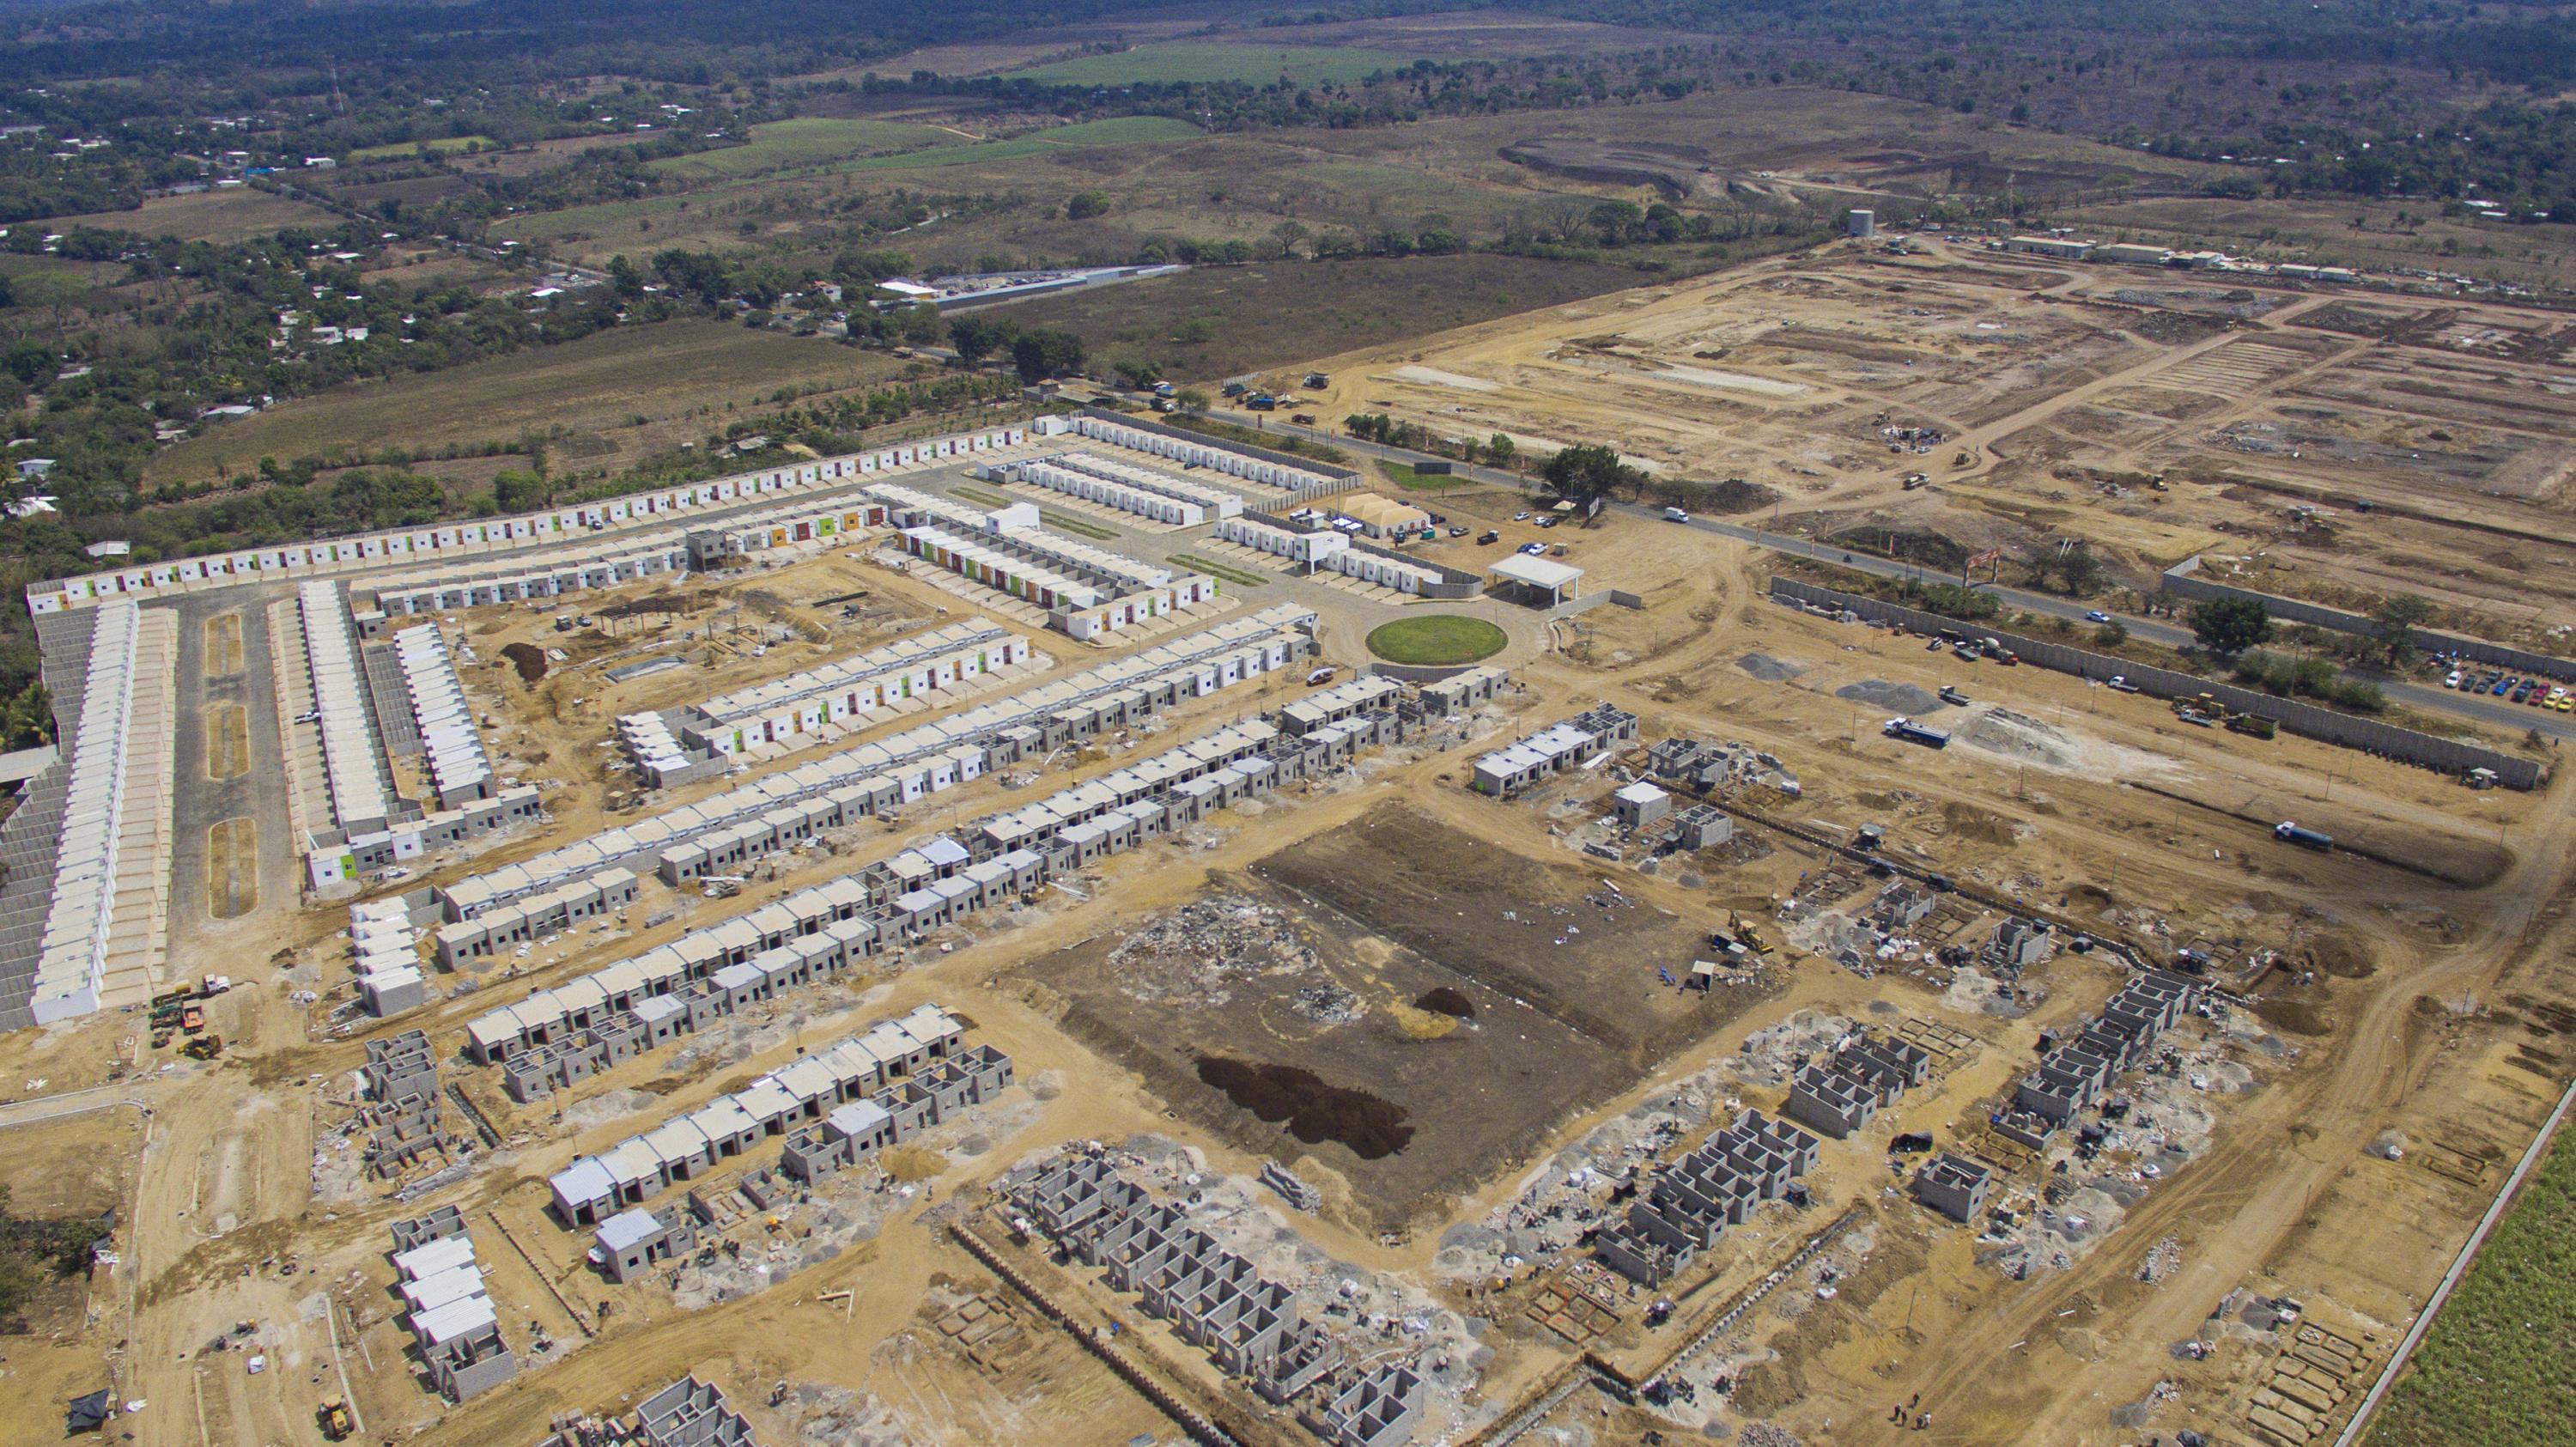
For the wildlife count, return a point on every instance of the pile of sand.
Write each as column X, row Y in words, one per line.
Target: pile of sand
column 2020, row 739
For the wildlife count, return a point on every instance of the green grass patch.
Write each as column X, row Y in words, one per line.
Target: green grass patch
column 808, row 141
column 1116, row 131
column 978, row 496
column 443, row 146
column 1411, row 480
column 1074, row 525
column 2495, row 1367
column 1236, row 576
column 547, row 225
column 1184, row 61
column 1442, row 638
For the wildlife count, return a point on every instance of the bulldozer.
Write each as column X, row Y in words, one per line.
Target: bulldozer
column 334, row 1419
column 203, row 1047
column 1747, row 935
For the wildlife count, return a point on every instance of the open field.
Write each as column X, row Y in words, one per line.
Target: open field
column 2487, row 1371
column 441, row 146
column 233, row 213
column 806, row 141
column 1246, row 62
column 682, row 378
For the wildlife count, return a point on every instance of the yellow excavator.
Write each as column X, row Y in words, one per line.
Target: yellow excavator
column 333, row 1415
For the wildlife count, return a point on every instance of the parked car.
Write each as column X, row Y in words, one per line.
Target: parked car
column 1456, row 532
column 2120, row 684
column 1533, row 549
column 1489, row 536
column 2452, row 679
column 1520, row 517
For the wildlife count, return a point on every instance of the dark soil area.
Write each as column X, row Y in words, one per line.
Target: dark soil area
column 1542, row 932
column 1287, row 1028
column 1313, row 1111
column 528, row 658
column 1446, row 1001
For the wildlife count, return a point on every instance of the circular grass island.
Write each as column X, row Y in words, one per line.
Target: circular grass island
column 1437, row 639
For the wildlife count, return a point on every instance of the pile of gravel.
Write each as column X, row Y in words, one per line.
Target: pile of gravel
column 1904, row 698
column 1768, row 669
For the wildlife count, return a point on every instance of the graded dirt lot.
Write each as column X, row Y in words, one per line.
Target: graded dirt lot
column 2058, row 397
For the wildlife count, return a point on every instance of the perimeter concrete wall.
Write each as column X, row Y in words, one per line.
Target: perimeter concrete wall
column 2307, row 720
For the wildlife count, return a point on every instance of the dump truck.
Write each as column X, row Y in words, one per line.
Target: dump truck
column 1911, row 732
column 2291, row 833
column 2254, row 725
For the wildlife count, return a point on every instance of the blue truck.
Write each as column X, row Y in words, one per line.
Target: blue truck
column 2290, row 833
column 1915, row 733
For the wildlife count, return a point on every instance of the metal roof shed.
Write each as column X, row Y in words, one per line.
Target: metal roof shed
column 1556, row 580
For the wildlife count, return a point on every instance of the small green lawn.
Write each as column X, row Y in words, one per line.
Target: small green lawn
column 444, row 146
column 1440, row 638
column 1412, row 480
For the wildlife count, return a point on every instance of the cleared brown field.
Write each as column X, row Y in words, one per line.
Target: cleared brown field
column 232, row 214
column 1268, row 316
column 684, row 378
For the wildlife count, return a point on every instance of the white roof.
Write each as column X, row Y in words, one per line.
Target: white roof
column 427, row 1260
column 628, row 1228
column 1642, row 792
column 1537, row 572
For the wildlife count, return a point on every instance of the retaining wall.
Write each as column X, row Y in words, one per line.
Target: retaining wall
column 2183, row 580
column 2307, row 720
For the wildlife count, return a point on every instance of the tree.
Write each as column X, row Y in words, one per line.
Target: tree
column 2397, row 618
column 1086, row 204
column 1137, row 371
column 1190, row 399
column 2111, row 635
column 1502, row 449
column 1288, row 239
column 1046, row 353
column 628, row 279
column 976, row 338
column 1587, row 475
column 2075, row 568
column 2229, row 626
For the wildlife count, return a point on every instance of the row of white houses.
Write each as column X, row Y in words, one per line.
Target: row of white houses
column 461, row 539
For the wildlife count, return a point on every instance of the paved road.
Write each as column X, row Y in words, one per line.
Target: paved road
column 2423, row 698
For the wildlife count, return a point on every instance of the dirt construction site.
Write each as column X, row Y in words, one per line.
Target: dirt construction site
column 1421, row 1047
column 2309, row 443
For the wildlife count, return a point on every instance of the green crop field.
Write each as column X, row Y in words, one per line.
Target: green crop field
column 1188, row 61
column 1439, row 638
column 2495, row 1366
column 807, row 141
column 444, row 145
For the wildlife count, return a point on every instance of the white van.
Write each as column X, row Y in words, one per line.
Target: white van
column 1677, row 514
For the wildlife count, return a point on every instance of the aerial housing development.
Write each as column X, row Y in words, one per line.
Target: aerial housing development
column 1102, row 728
